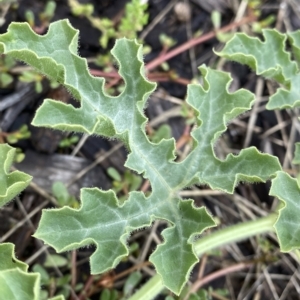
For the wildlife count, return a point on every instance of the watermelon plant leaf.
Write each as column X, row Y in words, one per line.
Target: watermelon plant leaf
column 287, row 226
column 269, row 58
column 12, row 183
column 215, row 108
column 294, row 39
column 8, row 259
column 15, row 282
column 102, row 220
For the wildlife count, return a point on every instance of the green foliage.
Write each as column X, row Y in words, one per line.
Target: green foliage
column 14, row 137
column 255, row 6
column 216, row 21
column 123, row 117
column 270, row 59
column 127, row 183
column 15, row 282
column 287, row 225
column 132, row 281
column 21, row 134
column 201, row 295
column 44, row 17
column 68, row 141
column 8, row 261
column 105, row 220
column 109, row 295
column 163, row 132
column 79, row 9
column 62, row 195
column 60, row 285
column 166, row 41
column 36, row 78
column 280, row 67
column 6, row 63
column 55, row 260
column 12, row 183
column 48, row 13
column 114, row 174
column 133, row 21
column 32, row 76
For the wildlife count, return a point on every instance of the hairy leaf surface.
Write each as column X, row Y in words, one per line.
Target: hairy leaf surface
column 101, row 220
column 8, row 260
column 270, row 59
column 12, row 183
column 287, row 227
column 15, row 282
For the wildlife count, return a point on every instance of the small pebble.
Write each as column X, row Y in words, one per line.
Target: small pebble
column 182, row 11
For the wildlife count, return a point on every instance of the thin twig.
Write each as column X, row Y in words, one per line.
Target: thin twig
column 84, row 293
column 231, row 269
column 73, row 270
column 191, row 43
column 94, row 164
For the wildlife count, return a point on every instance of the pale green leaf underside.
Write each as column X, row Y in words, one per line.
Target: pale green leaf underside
column 287, row 227
column 12, row 183
column 101, row 220
column 270, row 59
column 15, row 282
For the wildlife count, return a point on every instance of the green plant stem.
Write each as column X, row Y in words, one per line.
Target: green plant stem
column 212, row 241
column 235, row 233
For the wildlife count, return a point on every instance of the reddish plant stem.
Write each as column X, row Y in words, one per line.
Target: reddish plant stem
column 145, row 186
column 193, row 42
column 156, row 77
column 231, row 269
column 87, row 291
column 99, row 73
column 84, row 294
column 182, row 81
column 202, row 266
column 5, row 134
column 73, row 270
column 112, row 83
column 131, row 270
column 185, row 137
column 168, row 55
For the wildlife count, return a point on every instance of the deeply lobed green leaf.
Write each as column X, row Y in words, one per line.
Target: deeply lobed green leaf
column 15, row 282
column 270, row 59
column 287, row 226
column 12, row 183
column 101, row 220
column 8, row 259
